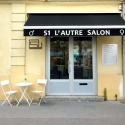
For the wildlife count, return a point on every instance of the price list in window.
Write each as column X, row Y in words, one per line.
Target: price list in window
column 109, row 54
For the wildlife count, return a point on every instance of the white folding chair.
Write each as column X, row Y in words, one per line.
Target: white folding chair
column 8, row 92
column 39, row 91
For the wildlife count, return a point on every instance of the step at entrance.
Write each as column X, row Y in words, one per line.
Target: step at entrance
column 76, row 98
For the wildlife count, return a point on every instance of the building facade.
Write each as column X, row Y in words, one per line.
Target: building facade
column 76, row 46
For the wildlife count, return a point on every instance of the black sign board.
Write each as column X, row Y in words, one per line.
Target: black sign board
column 74, row 32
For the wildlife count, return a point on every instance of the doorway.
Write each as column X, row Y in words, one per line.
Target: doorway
column 71, row 66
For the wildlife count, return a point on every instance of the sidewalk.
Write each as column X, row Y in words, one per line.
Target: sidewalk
column 64, row 113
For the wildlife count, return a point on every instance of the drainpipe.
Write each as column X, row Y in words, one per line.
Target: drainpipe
column 123, row 54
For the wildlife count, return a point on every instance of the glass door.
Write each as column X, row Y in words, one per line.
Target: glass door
column 71, row 66
column 58, row 66
column 83, row 66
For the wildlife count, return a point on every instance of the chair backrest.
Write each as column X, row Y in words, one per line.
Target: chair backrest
column 42, row 82
column 5, row 83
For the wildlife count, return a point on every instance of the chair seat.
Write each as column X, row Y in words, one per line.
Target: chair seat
column 37, row 91
column 10, row 92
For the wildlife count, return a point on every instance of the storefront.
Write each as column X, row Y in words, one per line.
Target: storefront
column 71, row 48
column 78, row 52
column 71, row 65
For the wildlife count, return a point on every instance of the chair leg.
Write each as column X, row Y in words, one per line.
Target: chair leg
column 4, row 101
column 7, row 99
column 15, row 98
column 44, row 99
column 40, row 101
column 32, row 98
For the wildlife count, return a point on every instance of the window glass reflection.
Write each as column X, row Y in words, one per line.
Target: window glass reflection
column 59, row 56
column 83, row 58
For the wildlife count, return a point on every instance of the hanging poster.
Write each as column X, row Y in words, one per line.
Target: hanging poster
column 109, row 54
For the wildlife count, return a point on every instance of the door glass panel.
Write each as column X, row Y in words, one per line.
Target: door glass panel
column 59, row 56
column 83, row 65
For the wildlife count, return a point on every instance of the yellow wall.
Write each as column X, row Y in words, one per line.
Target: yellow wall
column 17, row 38
column 35, row 58
column 5, row 38
column 30, row 63
column 5, row 41
column 72, row 7
column 109, row 76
